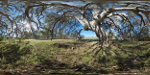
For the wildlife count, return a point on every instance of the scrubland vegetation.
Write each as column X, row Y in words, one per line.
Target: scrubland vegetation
column 63, row 56
column 45, row 37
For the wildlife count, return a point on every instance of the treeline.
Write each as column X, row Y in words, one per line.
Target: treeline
column 46, row 36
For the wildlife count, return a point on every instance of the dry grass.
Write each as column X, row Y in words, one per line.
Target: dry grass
column 67, row 53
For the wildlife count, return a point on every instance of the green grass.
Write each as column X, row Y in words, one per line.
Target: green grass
column 33, row 41
column 90, row 38
column 45, row 52
column 86, row 59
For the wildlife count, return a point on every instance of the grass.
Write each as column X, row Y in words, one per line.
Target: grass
column 70, row 53
column 33, row 41
column 86, row 59
column 90, row 38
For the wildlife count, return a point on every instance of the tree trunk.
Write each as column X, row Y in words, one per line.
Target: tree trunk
column 102, row 34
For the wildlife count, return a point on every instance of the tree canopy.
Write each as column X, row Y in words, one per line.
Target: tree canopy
column 125, row 19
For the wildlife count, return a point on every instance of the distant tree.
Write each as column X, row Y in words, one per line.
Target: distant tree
column 27, row 35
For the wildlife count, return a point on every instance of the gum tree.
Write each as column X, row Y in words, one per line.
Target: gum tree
column 125, row 19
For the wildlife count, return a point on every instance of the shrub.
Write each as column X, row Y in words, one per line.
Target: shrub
column 147, row 38
column 1, row 38
column 12, row 52
column 147, row 62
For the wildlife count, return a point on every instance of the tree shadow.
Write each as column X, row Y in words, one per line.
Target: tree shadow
column 68, row 45
column 55, row 67
column 135, row 57
column 127, row 57
column 10, row 53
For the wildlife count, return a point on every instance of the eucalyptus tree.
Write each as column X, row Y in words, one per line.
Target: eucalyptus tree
column 123, row 18
column 102, row 18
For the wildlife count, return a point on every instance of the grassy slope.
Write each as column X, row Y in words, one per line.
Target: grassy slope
column 80, row 55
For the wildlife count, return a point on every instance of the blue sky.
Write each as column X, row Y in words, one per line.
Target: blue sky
column 88, row 33
column 84, row 33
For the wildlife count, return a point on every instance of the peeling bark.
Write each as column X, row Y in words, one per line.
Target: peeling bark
column 99, row 17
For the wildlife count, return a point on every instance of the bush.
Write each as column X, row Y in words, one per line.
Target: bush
column 147, row 62
column 144, row 38
column 1, row 38
column 12, row 52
